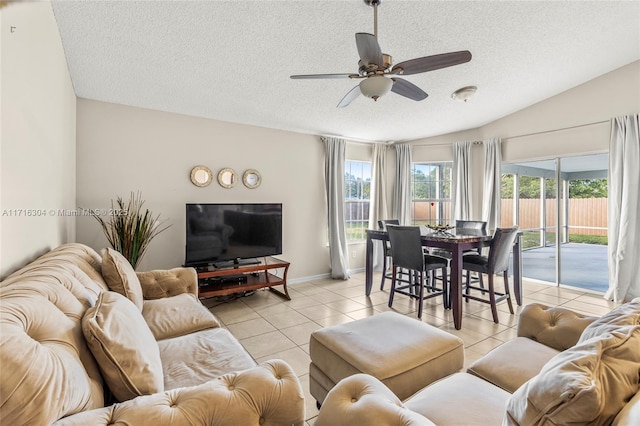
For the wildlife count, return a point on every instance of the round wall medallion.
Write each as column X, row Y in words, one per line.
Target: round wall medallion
column 227, row 178
column 201, row 176
column 251, row 178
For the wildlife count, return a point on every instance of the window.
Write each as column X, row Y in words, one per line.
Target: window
column 430, row 193
column 357, row 185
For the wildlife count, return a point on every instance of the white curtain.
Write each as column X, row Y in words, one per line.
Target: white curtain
column 402, row 188
column 378, row 205
column 624, row 209
column 334, row 183
column 491, row 193
column 461, row 181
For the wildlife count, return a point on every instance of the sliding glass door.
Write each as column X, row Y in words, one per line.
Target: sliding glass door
column 583, row 253
column 560, row 205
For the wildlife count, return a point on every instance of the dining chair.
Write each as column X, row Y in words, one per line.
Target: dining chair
column 476, row 225
column 382, row 225
column 407, row 253
column 496, row 262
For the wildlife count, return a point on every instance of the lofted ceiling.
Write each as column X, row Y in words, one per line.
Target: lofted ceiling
column 231, row 60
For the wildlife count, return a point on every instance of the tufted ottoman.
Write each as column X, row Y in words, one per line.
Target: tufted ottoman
column 404, row 353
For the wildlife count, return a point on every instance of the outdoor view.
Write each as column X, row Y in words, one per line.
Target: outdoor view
column 431, row 193
column 357, row 188
column 564, row 240
column 586, row 209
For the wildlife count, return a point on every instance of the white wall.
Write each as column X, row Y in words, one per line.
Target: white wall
column 37, row 136
column 122, row 149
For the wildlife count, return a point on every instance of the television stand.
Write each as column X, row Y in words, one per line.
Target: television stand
column 257, row 276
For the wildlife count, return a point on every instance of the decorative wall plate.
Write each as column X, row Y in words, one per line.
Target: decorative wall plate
column 227, row 178
column 251, row 178
column 201, row 176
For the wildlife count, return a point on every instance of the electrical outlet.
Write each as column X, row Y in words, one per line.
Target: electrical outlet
column 353, row 254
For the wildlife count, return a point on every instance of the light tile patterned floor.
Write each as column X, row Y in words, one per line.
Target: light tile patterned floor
column 271, row 327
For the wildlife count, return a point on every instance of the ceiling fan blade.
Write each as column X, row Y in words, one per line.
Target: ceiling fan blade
column 407, row 89
column 369, row 49
column 349, row 97
column 319, row 76
column 431, row 63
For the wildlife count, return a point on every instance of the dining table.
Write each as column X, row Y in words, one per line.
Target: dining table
column 456, row 242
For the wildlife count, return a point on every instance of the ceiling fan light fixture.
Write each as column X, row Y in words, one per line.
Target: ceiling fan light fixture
column 464, row 93
column 375, row 86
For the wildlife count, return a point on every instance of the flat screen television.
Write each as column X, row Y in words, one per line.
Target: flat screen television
column 220, row 234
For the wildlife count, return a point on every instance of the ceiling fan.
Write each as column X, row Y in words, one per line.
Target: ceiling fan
column 376, row 70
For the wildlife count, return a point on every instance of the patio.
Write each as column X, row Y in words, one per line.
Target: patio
column 582, row 265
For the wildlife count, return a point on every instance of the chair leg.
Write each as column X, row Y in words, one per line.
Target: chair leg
column 446, row 293
column 394, row 270
column 466, row 290
column 507, row 292
column 384, row 271
column 492, row 299
column 421, row 295
column 480, row 282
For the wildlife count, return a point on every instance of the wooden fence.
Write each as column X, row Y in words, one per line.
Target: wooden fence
column 584, row 214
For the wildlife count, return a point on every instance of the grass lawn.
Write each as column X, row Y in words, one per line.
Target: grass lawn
column 532, row 239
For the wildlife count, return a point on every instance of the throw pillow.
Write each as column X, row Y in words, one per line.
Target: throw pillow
column 124, row 347
column 624, row 315
column 121, row 277
column 586, row 384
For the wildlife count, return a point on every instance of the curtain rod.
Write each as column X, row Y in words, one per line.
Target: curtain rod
column 358, row 141
column 557, row 130
column 446, row 144
column 524, row 135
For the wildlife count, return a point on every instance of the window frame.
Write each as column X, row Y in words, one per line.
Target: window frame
column 362, row 199
column 435, row 192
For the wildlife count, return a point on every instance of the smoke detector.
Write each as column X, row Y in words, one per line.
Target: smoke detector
column 464, row 94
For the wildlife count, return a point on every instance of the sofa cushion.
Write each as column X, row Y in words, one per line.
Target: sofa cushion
column 46, row 370
column 124, row 347
column 176, row 316
column 198, row 357
column 121, row 277
column 624, row 315
column 513, row 363
column 586, row 384
column 460, row 399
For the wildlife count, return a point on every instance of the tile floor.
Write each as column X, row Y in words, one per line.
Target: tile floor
column 271, row 327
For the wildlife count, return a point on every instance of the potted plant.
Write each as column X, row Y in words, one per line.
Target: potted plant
column 128, row 229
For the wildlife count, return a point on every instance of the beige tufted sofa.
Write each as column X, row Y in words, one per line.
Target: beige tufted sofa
column 72, row 352
column 562, row 369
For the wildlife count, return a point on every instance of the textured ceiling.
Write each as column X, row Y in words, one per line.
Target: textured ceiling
column 231, row 60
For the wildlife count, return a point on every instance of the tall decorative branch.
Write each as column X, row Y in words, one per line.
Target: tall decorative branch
column 128, row 229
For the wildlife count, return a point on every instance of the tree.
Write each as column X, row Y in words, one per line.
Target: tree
column 530, row 187
column 588, row 188
column 435, row 184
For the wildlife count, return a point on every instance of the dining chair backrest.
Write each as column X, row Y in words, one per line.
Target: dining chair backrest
column 501, row 247
column 406, row 247
column 476, row 225
column 382, row 224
